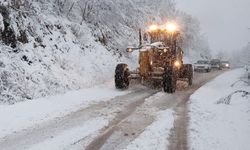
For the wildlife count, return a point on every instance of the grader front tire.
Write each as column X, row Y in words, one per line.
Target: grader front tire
column 121, row 76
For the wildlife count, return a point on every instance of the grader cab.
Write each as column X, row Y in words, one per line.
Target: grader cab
column 161, row 59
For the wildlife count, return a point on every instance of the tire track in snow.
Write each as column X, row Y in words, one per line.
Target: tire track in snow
column 117, row 106
column 120, row 135
column 116, row 122
column 178, row 138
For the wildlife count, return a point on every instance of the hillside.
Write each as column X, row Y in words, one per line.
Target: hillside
column 54, row 46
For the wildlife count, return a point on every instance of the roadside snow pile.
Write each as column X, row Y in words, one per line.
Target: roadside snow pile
column 29, row 113
column 155, row 136
column 220, row 114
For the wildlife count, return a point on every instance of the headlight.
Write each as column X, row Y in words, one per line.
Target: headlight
column 153, row 28
column 177, row 64
column 171, row 27
column 227, row 65
column 129, row 50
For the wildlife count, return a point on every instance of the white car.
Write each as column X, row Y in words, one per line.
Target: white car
column 202, row 65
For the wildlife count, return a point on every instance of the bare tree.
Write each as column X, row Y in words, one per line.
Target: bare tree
column 86, row 9
column 60, row 4
column 71, row 7
column 17, row 3
column 220, row 55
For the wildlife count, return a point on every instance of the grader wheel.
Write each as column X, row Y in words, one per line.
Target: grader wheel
column 169, row 80
column 121, row 76
column 189, row 69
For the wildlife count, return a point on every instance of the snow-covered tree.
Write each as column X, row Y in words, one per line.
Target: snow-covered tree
column 241, row 57
column 195, row 44
column 245, row 55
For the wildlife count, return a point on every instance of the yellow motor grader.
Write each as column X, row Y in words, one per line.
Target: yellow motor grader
column 161, row 59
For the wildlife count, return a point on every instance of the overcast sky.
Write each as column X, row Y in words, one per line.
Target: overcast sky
column 225, row 22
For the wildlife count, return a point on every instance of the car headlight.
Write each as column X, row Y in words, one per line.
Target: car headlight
column 129, row 50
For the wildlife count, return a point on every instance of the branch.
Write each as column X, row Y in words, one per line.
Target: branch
column 30, row 12
column 71, row 7
column 239, row 81
column 227, row 100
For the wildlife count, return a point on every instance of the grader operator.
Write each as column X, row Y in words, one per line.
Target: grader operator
column 159, row 60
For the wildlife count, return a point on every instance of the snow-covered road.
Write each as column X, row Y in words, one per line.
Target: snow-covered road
column 71, row 125
column 29, row 113
column 143, row 129
column 99, row 118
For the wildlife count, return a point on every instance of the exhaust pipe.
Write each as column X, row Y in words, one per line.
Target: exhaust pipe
column 140, row 38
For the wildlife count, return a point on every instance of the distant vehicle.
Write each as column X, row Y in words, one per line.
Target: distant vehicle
column 225, row 64
column 202, row 65
column 216, row 63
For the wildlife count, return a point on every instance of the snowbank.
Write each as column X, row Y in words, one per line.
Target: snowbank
column 220, row 113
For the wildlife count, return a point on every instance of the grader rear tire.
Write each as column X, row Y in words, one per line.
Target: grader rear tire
column 121, row 76
column 169, row 80
column 190, row 74
column 187, row 72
